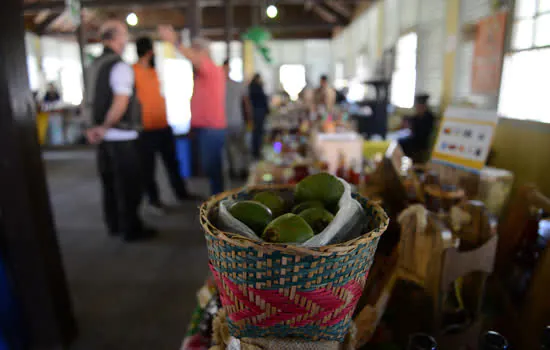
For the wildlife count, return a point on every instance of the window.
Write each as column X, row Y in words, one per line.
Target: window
column 71, row 82
column 178, row 89
column 34, row 73
column 362, row 71
column 524, row 88
column 531, row 24
column 403, row 83
column 293, row 79
column 525, row 75
column 339, row 76
column 236, row 72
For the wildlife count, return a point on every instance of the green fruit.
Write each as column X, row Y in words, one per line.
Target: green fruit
column 317, row 218
column 298, row 208
column 288, row 228
column 320, row 187
column 273, row 201
column 253, row 214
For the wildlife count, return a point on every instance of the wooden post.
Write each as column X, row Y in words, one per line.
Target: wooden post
column 81, row 44
column 194, row 18
column 28, row 234
column 228, row 27
column 255, row 13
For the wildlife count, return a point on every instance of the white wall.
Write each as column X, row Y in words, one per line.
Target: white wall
column 359, row 39
column 425, row 17
column 392, row 16
column 431, row 31
column 314, row 54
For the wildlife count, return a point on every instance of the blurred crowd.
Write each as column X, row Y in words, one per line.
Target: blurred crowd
column 128, row 123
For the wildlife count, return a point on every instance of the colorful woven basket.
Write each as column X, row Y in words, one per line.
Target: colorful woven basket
column 286, row 291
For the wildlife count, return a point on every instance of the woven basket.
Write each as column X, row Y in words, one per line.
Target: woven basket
column 285, row 291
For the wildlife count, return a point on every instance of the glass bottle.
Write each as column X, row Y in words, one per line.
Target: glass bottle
column 354, row 173
column 545, row 340
column 493, row 341
column 525, row 259
column 421, row 341
column 341, row 169
column 323, row 164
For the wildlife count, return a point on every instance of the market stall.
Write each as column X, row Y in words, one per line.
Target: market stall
column 442, row 228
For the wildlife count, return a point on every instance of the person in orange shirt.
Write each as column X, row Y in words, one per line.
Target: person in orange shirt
column 157, row 135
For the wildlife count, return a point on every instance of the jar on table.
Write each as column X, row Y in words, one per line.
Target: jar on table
column 442, row 197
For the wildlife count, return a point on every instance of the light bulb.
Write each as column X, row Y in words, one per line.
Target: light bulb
column 132, row 19
column 272, row 11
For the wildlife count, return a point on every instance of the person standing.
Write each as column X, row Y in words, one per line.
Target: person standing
column 325, row 96
column 157, row 136
column 52, row 94
column 260, row 109
column 111, row 103
column 236, row 98
column 421, row 126
column 208, row 120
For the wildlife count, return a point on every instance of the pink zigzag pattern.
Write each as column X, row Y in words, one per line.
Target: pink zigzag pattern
column 324, row 298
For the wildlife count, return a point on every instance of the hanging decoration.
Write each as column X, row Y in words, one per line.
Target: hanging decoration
column 260, row 37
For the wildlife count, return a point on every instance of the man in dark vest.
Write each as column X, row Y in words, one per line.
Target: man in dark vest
column 111, row 103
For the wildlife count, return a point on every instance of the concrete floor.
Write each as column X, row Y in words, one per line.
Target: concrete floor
column 125, row 296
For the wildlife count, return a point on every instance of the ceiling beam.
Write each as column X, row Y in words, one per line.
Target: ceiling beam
column 339, row 7
column 220, row 30
column 59, row 5
column 274, row 28
column 326, row 15
column 42, row 27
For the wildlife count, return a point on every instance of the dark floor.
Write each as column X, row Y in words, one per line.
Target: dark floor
column 125, row 296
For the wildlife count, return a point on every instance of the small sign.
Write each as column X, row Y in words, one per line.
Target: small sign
column 465, row 138
column 73, row 9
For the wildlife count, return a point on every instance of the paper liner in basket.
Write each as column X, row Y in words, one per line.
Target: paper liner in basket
column 347, row 223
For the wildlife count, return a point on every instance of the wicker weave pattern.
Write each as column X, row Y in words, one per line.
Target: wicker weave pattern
column 282, row 290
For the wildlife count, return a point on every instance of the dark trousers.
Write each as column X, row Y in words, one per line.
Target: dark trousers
column 120, row 171
column 211, row 145
column 160, row 141
column 258, row 131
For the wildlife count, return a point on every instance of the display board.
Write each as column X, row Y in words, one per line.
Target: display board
column 465, row 138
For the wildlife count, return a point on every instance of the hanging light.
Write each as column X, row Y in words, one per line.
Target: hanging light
column 132, row 19
column 272, row 11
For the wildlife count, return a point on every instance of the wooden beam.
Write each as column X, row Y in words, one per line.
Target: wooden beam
column 42, row 27
column 273, row 28
column 59, row 5
column 81, row 34
column 194, row 18
column 28, row 234
column 339, row 7
column 255, row 14
column 228, row 27
column 326, row 15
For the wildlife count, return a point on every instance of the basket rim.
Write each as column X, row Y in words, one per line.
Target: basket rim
column 245, row 242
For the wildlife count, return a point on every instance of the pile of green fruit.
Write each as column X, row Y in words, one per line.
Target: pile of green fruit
column 275, row 220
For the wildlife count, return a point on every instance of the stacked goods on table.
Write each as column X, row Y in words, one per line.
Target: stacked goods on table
column 492, row 186
column 290, row 262
column 288, row 153
column 199, row 331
